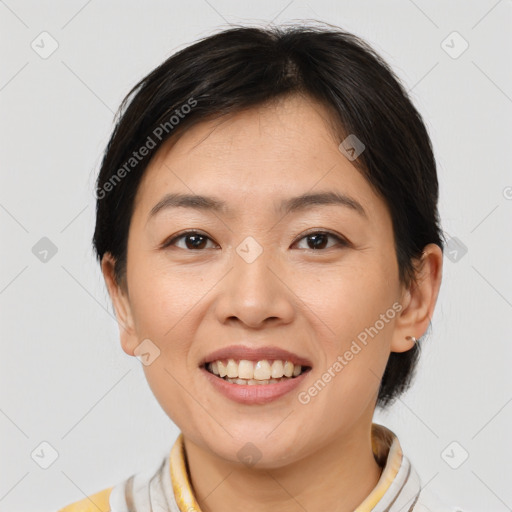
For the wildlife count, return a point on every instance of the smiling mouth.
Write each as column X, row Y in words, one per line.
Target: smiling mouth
column 245, row 372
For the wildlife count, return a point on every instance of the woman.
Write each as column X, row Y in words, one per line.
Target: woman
column 268, row 231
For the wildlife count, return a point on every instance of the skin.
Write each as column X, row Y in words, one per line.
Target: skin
column 313, row 302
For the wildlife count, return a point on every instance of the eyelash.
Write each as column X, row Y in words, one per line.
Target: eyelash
column 340, row 241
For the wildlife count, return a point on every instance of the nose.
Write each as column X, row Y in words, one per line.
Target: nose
column 255, row 293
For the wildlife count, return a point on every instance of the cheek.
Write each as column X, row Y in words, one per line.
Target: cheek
column 348, row 299
column 165, row 307
column 163, row 299
column 353, row 314
column 165, row 380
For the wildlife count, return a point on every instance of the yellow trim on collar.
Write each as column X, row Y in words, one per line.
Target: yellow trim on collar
column 181, row 485
column 388, row 453
column 99, row 502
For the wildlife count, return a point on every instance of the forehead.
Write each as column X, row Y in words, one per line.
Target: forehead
column 274, row 129
column 257, row 156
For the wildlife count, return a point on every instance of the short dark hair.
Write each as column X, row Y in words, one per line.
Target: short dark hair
column 242, row 67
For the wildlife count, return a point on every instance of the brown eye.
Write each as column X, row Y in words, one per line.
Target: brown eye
column 319, row 240
column 192, row 240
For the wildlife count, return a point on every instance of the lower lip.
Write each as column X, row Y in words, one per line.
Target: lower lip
column 256, row 393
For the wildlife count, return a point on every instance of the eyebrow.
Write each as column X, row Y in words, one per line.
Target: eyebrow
column 292, row 204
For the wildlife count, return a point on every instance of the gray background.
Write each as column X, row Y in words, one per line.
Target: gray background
column 64, row 378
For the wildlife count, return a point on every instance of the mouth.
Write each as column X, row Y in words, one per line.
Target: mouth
column 244, row 372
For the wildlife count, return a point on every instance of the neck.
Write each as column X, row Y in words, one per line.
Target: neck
column 337, row 477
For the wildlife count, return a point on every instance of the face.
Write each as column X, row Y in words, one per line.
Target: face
column 314, row 279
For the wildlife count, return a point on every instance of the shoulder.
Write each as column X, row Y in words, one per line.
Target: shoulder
column 98, row 502
column 142, row 491
column 430, row 502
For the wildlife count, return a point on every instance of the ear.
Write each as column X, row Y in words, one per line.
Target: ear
column 418, row 302
column 119, row 295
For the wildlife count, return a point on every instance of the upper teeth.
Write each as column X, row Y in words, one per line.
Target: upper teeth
column 261, row 370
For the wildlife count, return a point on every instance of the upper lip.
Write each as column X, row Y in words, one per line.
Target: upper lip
column 255, row 354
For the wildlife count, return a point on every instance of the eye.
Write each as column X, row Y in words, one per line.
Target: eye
column 193, row 240
column 317, row 240
column 196, row 241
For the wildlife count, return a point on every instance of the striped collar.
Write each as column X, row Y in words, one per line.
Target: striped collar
column 397, row 488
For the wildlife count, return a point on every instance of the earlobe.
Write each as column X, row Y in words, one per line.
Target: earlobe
column 121, row 304
column 419, row 300
column 403, row 344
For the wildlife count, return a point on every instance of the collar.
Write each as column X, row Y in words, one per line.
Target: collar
column 386, row 450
